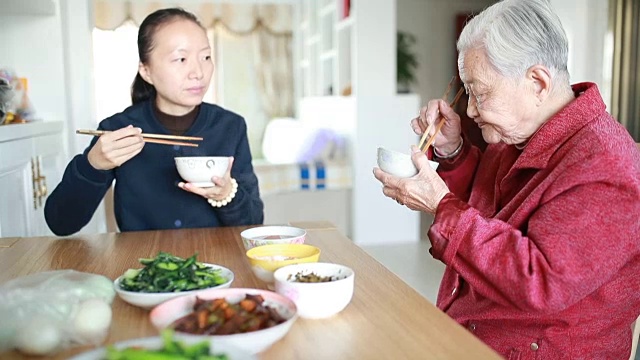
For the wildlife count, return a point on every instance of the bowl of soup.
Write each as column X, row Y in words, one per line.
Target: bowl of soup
column 272, row 235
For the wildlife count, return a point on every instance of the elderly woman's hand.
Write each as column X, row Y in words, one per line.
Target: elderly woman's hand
column 223, row 187
column 422, row 192
column 449, row 138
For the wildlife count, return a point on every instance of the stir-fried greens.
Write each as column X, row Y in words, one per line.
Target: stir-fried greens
column 169, row 273
column 171, row 349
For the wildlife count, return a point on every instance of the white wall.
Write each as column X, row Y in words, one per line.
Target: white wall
column 381, row 117
column 432, row 22
column 77, row 27
column 585, row 22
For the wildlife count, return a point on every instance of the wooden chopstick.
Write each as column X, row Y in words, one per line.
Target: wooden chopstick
column 151, row 138
column 169, row 142
column 144, row 135
column 444, row 97
column 441, row 123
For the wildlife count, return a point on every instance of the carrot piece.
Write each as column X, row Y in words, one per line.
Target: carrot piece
column 203, row 315
column 229, row 313
column 248, row 305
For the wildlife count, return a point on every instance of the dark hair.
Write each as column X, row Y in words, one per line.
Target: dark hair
column 140, row 89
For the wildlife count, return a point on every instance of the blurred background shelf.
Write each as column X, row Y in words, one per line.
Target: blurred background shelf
column 28, row 7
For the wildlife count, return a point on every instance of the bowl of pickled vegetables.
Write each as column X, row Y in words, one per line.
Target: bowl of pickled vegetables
column 319, row 290
column 167, row 276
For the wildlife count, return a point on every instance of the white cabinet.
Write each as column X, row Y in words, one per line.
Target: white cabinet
column 349, row 47
column 323, row 47
column 31, row 164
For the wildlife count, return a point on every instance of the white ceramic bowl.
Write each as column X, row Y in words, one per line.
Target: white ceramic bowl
column 199, row 170
column 253, row 342
column 154, row 343
column 317, row 300
column 398, row 164
column 272, row 235
column 149, row 300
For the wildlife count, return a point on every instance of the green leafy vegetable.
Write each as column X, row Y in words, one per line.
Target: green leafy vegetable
column 171, row 350
column 169, row 273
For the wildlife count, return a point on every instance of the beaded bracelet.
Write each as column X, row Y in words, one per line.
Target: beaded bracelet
column 225, row 201
column 449, row 156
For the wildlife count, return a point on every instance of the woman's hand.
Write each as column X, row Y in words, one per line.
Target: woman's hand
column 223, row 187
column 422, row 192
column 115, row 148
column 448, row 140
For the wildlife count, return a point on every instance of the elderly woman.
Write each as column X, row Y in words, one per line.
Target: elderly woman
column 541, row 232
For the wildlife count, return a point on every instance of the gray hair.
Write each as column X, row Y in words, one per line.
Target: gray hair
column 517, row 34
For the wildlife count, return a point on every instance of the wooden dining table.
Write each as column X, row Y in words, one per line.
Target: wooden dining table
column 386, row 318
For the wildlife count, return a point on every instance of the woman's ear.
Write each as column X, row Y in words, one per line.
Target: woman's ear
column 540, row 78
column 143, row 70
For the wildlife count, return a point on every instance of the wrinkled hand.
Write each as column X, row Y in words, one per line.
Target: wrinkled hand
column 223, row 187
column 449, row 138
column 115, row 148
column 422, row 192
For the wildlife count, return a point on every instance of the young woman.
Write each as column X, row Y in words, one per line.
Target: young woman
column 173, row 75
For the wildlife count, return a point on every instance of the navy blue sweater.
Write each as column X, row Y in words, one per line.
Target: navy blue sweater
column 147, row 196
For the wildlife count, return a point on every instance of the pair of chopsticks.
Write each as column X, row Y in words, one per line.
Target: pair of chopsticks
column 152, row 138
column 442, row 120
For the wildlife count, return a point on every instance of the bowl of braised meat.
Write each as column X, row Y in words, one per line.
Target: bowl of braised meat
column 249, row 319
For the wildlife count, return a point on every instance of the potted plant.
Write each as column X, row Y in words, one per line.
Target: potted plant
column 407, row 62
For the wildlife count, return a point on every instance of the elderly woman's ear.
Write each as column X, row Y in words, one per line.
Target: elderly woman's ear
column 540, row 77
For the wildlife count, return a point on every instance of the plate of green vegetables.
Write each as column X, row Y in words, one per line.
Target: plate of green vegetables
column 167, row 276
column 165, row 347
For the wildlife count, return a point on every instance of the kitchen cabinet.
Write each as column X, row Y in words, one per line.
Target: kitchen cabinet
column 31, row 164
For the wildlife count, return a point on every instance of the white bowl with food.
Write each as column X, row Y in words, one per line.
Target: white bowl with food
column 272, row 235
column 319, row 290
column 399, row 164
column 198, row 170
column 178, row 277
column 249, row 319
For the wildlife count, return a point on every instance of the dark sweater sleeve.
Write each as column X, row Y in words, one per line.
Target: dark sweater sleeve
column 246, row 208
column 74, row 201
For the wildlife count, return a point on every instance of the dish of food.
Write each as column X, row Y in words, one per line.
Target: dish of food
column 312, row 277
column 167, row 276
column 168, row 313
column 219, row 317
column 169, row 273
column 165, row 347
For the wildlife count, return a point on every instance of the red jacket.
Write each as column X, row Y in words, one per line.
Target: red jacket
column 542, row 245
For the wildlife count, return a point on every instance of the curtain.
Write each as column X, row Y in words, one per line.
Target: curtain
column 273, row 65
column 237, row 18
column 624, row 22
